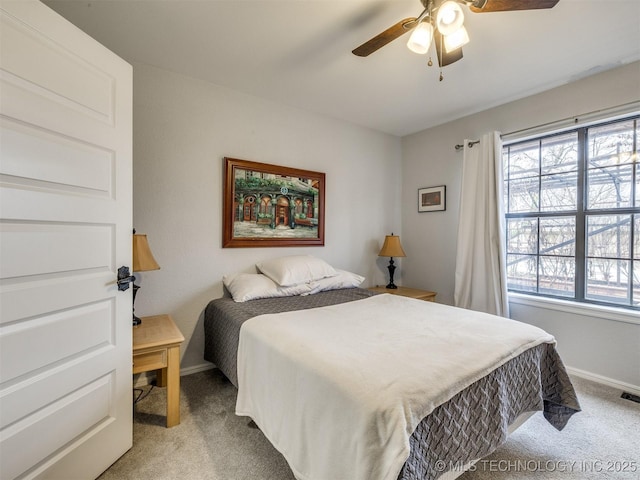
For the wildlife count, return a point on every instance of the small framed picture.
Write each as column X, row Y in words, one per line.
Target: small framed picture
column 432, row 199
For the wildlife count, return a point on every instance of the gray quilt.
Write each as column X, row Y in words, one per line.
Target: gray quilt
column 469, row 426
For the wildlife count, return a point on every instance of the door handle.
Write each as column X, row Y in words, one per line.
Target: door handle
column 124, row 278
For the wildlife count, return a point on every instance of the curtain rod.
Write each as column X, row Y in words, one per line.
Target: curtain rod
column 617, row 111
column 470, row 144
column 581, row 119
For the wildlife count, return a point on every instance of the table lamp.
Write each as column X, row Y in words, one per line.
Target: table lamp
column 143, row 261
column 391, row 248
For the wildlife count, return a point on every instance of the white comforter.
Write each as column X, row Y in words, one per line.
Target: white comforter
column 339, row 390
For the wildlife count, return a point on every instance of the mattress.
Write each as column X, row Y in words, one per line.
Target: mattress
column 467, row 427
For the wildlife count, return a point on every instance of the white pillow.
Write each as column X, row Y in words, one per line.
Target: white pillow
column 295, row 269
column 250, row 286
column 343, row 279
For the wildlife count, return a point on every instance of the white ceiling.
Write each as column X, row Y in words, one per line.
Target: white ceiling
column 298, row 52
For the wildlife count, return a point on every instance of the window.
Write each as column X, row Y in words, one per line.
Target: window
column 572, row 203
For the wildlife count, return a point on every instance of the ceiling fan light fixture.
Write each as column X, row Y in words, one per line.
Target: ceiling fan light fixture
column 449, row 18
column 421, row 37
column 456, row 40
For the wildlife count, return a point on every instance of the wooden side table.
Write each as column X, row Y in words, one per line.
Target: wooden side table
column 156, row 346
column 407, row 292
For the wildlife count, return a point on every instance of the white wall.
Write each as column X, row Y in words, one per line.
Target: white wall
column 429, row 159
column 182, row 130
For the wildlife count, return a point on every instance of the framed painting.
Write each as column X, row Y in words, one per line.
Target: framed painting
column 432, row 199
column 271, row 206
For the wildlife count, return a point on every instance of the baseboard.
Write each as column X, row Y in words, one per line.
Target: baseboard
column 142, row 379
column 610, row 382
column 196, row 368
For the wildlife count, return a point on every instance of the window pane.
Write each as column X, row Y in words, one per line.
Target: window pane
column 610, row 144
column 524, row 160
column 521, row 272
column 522, row 235
column 558, row 236
column 560, row 153
column 505, row 163
column 523, row 195
column 505, row 196
column 557, row 276
column 559, row 192
column 609, row 236
column 608, row 280
column 636, row 283
column 609, row 187
column 636, row 236
column 637, row 186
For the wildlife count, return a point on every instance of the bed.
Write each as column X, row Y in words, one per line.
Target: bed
column 288, row 381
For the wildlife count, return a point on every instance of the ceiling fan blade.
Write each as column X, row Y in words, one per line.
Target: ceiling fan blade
column 445, row 58
column 380, row 40
column 510, row 5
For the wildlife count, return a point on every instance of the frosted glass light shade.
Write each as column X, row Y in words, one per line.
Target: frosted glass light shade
column 450, row 18
column 420, row 39
column 456, row 40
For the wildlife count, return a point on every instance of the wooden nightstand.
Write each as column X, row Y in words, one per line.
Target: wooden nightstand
column 156, row 346
column 407, row 292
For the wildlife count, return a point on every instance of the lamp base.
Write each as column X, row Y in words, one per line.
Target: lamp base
column 392, row 268
column 136, row 320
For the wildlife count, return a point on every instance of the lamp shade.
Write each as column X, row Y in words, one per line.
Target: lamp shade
column 392, row 247
column 420, row 39
column 450, row 17
column 456, row 40
column 142, row 257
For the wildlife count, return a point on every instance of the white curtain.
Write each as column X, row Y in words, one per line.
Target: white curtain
column 481, row 279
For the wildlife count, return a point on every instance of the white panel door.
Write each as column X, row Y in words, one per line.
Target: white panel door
column 65, row 228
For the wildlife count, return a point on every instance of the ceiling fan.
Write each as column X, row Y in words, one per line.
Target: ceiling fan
column 441, row 23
